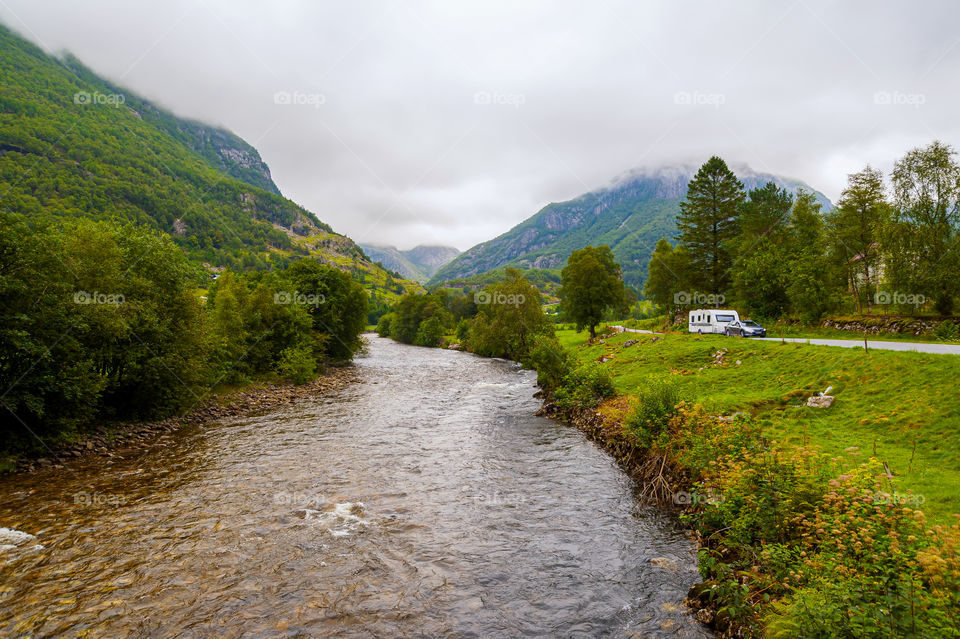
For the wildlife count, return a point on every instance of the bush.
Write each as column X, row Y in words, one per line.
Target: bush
column 429, row 333
column 298, row 365
column 551, row 361
column 655, row 405
column 463, row 330
column 383, row 326
column 947, row 331
column 584, row 387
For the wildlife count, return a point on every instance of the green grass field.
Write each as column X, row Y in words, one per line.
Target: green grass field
column 905, row 405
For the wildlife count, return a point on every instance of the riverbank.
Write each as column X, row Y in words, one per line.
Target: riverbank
column 807, row 517
column 119, row 438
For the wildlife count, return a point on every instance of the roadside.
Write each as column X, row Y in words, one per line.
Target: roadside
column 939, row 348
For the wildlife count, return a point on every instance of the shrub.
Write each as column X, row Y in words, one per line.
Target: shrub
column 298, row 365
column 383, row 326
column 947, row 331
column 429, row 333
column 655, row 405
column 463, row 330
column 584, row 387
column 551, row 361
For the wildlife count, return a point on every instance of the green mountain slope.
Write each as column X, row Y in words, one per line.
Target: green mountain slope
column 630, row 215
column 419, row 263
column 75, row 145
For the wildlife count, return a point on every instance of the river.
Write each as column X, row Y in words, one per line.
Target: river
column 425, row 500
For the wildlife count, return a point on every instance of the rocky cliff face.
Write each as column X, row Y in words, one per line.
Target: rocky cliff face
column 630, row 215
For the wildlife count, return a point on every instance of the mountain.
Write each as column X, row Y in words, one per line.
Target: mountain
column 630, row 215
column 419, row 263
column 75, row 145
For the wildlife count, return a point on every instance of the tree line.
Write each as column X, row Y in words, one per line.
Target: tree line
column 775, row 254
column 105, row 322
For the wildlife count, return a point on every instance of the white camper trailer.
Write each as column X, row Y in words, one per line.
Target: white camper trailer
column 711, row 320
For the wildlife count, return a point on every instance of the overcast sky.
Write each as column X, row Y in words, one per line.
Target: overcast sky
column 449, row 122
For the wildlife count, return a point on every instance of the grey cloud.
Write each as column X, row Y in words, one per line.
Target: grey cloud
column 476, row 114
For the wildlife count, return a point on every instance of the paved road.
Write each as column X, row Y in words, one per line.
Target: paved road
column 921, row 347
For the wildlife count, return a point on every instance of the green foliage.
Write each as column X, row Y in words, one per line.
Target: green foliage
column 463, row 330
column 508, row 319
column 584, row 387
column 592, row 283
column 669, row 273
column 654, row 406
column 97, row 321
column 551, row 360
column 708, row 222
column 100, row 321
column 947, row 331
column 922, row 254
column 337, row 305
column 412, row 310
column 430, row 332
column 812, row 286
column 383, row 326
column 298, row 364
column 855, row 229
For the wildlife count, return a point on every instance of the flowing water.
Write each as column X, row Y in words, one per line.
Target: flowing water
column 425, row 500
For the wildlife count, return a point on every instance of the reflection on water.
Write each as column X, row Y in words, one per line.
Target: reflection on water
column 425, row 500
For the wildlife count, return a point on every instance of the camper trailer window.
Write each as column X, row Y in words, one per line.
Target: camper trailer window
column 724, row 318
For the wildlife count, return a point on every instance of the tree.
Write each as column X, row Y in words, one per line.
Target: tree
column 709, row 221
column 591, row 282
column 509, row 317
column 854, row 228
column 667, row 275
column 811, row 284
column 922, row 253
column 759, row 273
column 340, row 305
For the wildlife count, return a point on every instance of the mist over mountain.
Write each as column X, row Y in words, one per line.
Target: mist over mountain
column 630, row 214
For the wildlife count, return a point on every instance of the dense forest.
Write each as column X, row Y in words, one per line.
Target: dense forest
column 103, row 321
column 775, row 255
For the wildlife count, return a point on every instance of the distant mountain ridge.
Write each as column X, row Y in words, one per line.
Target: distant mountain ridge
column 419, row 263
column 75, row 145
column 630, row 215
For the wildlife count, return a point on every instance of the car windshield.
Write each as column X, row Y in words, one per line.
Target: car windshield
column 725, row 318
column 751, row 323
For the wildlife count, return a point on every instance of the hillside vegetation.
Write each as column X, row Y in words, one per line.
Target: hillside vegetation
column 75, row 146
column 629, row 216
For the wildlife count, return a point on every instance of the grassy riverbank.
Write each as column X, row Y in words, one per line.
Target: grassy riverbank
column 891, row 402
column 813, row 521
